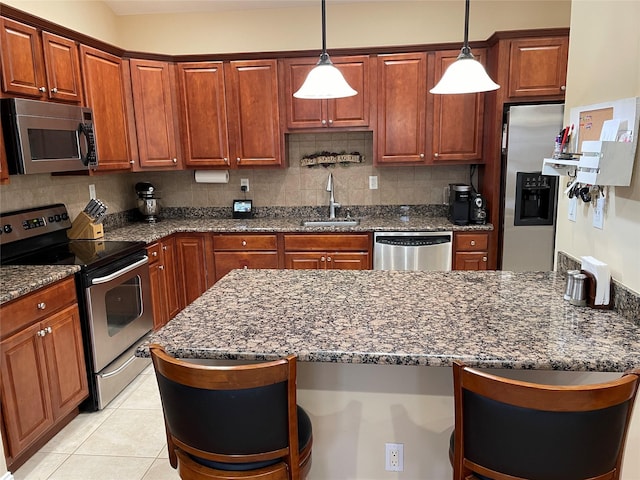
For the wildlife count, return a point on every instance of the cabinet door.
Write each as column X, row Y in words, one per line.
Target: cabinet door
column 26, row 404
column 107, row 91
column 153, row 88
column 204, row 114
column 62, row 68
column 538, row 67
column 457, row 119
column 339, row 112
column 402, row 97
column 65, row 361
column 305, row 260
column 253, row 113
column 22, row 61
column 227, row 261
column 470, row 261
column 348, row 261
column 191, row 263
column 172, row 287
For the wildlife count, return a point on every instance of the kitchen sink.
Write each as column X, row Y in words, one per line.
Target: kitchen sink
column 333, row 222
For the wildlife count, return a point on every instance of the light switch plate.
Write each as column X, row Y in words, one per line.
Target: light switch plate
column 573, row 206
column 598, row 213
column 373, row 182
column 92, row 191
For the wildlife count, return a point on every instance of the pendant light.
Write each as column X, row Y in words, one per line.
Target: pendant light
column 466, row 74
column 325, row 80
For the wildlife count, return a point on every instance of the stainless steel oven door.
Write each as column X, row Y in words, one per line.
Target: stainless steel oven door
column 119, row 309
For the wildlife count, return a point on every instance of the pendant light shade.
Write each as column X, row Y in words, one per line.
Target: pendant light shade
column 324, row 80
column 466, row 74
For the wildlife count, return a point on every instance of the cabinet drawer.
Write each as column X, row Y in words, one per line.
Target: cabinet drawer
column 329, row 242
column 153, row 251
column 227, row 261
column 23, row 311
column 471, row 242
column 244, row 242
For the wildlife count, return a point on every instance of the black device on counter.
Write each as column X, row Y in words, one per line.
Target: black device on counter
column 459, row 203
column 242, row 208
column 478, row 211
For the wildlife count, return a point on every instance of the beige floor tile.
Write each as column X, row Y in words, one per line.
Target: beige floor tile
column 145, row 397
column 161, row 470
column 129, row 389
column 40, row 466
column 78, row 430
column 89, row 467
column 132, row 433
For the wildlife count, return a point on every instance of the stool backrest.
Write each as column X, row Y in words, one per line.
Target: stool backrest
column 506, row 429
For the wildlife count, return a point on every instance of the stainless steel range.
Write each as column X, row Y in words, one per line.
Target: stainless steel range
column 113, row 288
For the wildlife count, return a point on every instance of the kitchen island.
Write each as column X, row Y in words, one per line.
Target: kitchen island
column 372, row 346
column 486, row 319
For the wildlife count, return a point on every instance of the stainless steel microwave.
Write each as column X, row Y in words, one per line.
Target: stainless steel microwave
column 44, row 137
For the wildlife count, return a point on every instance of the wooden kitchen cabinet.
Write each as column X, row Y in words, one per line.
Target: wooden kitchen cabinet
column 165, row 293
column 470, row 250
column 107, row 88
column 154, row 86
column 327, row 251
column 240, row 251
column 39, row 65
column 334, row 113
column 538, row 67
column 192, row 262
column 44, row 378
column 457, row 119
column 402, row 104
column 253, row 114
column 204, row 114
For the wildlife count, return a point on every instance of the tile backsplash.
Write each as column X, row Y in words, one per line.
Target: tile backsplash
column 293, row 186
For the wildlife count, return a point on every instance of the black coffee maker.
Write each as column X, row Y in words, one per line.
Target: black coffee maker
column 459, row 203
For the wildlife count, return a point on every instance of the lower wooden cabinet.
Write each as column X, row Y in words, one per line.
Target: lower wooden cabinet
column 191, row 262
column 164, row 281
column 232, row 251
column 327, row 251
column 470, row 251
column 44, row 378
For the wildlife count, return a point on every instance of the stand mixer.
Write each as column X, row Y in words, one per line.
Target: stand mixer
column 148, row 204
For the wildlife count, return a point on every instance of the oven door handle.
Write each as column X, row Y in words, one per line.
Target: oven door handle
column 114, row 275
column 119, row 369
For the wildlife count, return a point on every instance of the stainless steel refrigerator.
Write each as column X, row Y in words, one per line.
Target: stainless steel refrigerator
column 529, row 199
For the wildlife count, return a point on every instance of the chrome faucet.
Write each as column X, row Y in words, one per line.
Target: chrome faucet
column 332, row 202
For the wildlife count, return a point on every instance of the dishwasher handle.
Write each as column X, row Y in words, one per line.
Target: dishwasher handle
column 414, row 241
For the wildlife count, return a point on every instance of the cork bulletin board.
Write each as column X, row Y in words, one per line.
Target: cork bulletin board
column 590, row 124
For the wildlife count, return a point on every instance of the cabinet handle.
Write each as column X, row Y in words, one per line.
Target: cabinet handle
column 436, row 154
column 328, row 259
column 40, row 333
column 245, row 267
column 244, row 243
column 48, row 330
column 54, row 90
column 324, row 122
column 41, row 306
column 563, row 88
column 154, row 254
column 175, row 160
column 237, row 159
column 484, row 259
column 330, row 122
column 322, row 259
column 473, row 243
column 164, row 247
column 160, row 267
column 42, row 89
column 131, row 162
column 226, row 160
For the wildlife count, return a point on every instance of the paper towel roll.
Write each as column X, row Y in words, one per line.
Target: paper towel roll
column 212, row 176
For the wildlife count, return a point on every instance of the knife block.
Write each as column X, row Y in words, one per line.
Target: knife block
column 84, row 228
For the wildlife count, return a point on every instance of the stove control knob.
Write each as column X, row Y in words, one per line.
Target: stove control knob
column 7, row 228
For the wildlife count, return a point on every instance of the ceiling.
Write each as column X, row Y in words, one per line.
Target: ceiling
column 142, row 7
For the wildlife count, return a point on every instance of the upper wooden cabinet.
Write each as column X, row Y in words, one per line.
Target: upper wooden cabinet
column 153, row 84
column 108, row 92
column 39, row 65
column 335, row 113
column 253, row 113
column 538, row 67
column 457, row 119
column 402, row 103
column 204, row 114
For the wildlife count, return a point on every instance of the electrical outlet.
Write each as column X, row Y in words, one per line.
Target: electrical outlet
column 244, row 182
column 373, row 182
column 92, row 191
column 394, row 453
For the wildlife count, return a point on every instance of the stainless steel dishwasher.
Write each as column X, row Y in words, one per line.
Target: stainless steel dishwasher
column 412, row 251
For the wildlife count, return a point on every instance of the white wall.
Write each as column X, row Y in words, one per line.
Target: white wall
column 604, row 65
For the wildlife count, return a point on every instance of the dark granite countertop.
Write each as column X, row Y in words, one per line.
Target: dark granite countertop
column 18, row 280
column 486, row 319
column 152, row 232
